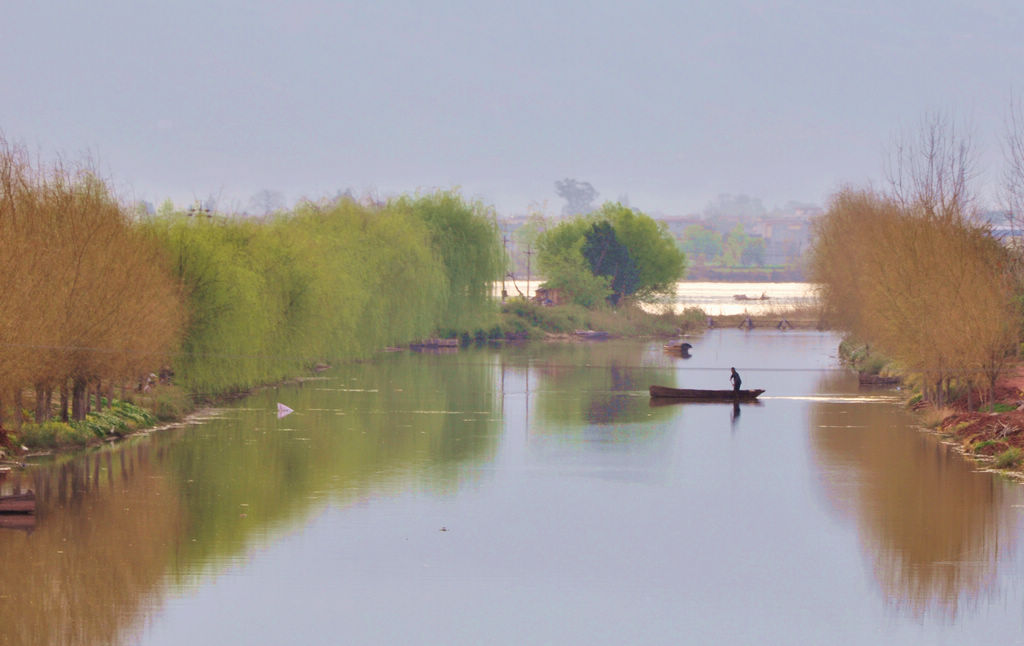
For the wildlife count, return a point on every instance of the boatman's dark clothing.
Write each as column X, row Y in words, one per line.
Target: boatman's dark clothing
column 735, row 379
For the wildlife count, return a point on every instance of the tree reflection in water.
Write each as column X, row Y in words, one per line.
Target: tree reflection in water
column 97, row 553
column 601, row 383
column 933, row 526
column 116, row 528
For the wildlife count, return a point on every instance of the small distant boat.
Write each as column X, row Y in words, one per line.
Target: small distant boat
column 744, row 297
column 726, row 395
column 22, row 503
column 678, row 347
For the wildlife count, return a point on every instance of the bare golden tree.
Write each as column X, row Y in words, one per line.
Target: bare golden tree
column 92, row 297
column 930, row 291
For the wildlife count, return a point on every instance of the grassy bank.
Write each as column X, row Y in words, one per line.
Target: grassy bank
column 522, row 319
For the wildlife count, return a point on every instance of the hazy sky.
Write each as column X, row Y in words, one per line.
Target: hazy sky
column 670, row 103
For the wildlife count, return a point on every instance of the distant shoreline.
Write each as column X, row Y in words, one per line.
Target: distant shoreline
column 745, row 275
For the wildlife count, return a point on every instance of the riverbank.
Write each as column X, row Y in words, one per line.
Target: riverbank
column 993, row 436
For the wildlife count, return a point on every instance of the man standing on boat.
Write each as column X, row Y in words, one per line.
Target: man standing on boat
column 736, row 381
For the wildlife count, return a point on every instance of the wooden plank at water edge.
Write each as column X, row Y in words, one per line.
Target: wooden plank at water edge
column 727, row 395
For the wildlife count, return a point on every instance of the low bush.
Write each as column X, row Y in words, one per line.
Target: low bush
column 1009, row 458
column 932, row 417
column 164, row 403
column 119, row 418
column 984, row 444
column 693, row 317
column 52, row 435
column 998, row 407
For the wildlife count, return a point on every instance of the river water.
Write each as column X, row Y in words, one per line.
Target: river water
column 528, row 495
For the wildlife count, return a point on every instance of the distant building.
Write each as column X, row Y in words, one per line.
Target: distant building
column 786, row 239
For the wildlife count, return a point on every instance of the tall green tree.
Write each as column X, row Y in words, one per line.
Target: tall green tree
column 609, row 257
column 658, row 261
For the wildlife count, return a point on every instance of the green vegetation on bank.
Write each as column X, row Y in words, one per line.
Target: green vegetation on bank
column 527, row 319
column 325, row 283
column 117, row 419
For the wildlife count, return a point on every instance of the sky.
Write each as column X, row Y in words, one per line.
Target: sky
column 664, row 104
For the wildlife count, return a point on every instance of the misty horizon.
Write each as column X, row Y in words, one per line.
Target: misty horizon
column 667, row 105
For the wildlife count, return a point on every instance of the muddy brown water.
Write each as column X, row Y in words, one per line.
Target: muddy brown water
column 528, row 495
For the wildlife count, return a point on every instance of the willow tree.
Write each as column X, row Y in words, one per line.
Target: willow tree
column 272, row 298
column 221, row 267
column 375, row 277
column 466, row 237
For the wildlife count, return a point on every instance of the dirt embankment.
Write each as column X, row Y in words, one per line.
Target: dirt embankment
column 988, row 436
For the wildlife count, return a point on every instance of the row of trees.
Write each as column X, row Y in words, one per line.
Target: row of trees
column 325, row 282
column 613, row 253
column 97, row 295
column 734, row 249
column 911, row 272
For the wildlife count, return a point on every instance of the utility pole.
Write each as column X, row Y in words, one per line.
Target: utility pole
column 504, row 246
column 529, row 253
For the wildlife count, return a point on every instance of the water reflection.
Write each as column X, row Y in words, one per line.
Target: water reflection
column 553, row 470
column 597, row 384
column 113, row 527
column 933, row 527
column 97, row 554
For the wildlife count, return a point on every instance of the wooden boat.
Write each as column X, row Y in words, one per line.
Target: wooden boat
column 22, row 503
column 691, row 394
column 677, row 347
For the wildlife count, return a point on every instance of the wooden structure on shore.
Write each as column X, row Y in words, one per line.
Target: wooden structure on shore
column 435, row 343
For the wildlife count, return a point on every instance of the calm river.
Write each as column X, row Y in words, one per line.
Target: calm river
column 528, row 495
